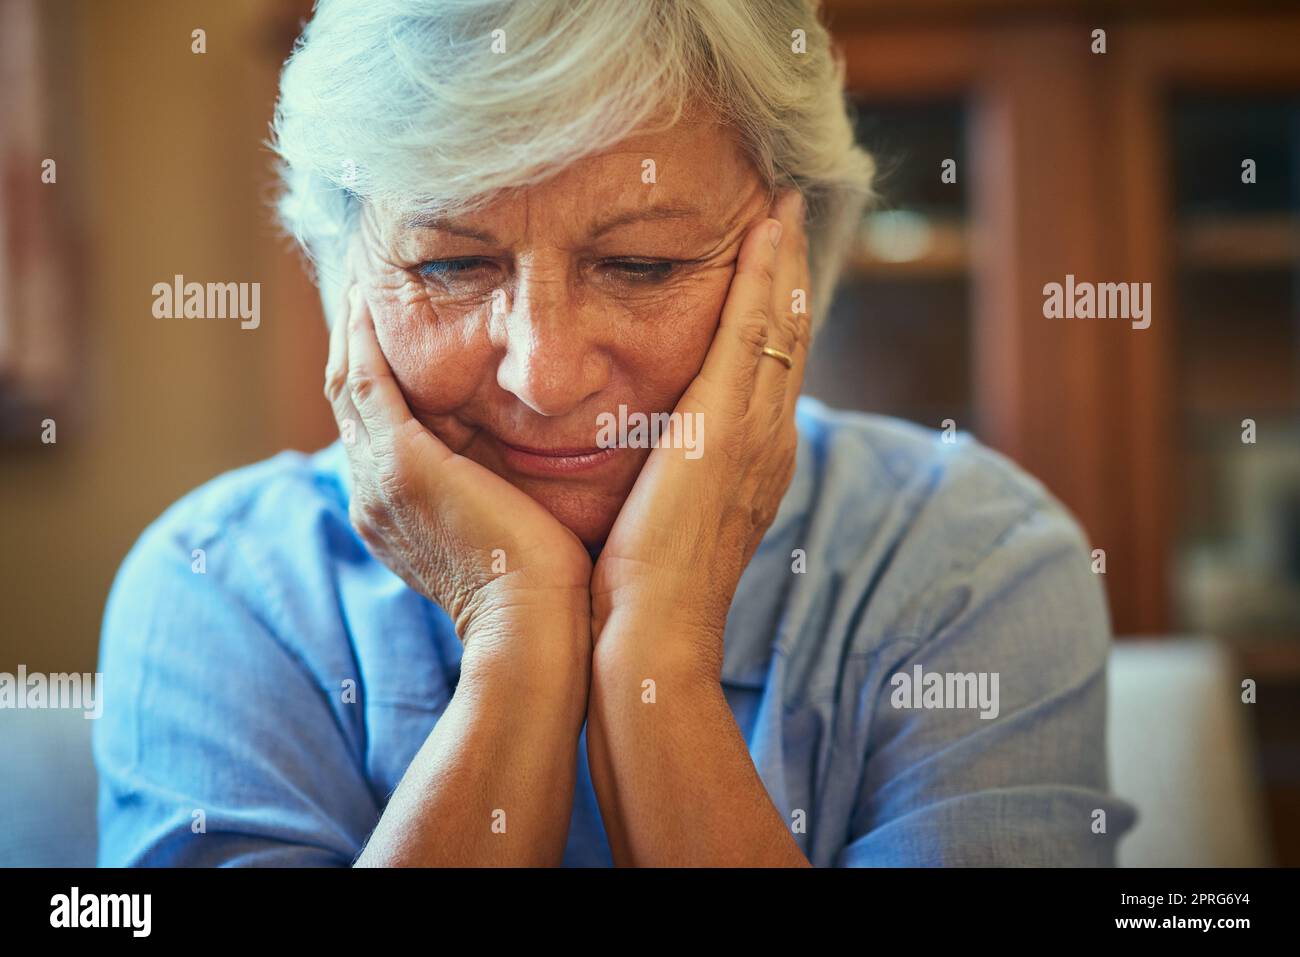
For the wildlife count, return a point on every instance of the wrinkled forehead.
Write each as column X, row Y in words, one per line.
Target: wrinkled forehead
column 692, row 177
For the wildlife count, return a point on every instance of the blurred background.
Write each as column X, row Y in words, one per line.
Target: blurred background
column 1116, row 166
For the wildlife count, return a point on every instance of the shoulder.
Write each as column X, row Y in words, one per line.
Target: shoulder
column 230, row 552
column 935, row 563
column 248, row 508
column 237, row 574
column 255, row 500
column 883, row 476
column 222, row 655
column 875, row 462
column 912, row 523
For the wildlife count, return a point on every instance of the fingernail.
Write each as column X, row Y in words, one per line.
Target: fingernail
column 774, row 233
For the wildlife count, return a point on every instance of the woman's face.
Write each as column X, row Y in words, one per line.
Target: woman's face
column 511, row 329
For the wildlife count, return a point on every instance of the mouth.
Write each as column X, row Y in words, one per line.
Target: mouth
column 558, row 460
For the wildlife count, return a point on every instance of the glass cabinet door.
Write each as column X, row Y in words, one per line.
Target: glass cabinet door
column 898, row 338
column 1236, row 231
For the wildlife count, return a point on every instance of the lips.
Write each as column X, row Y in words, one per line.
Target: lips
column 556, row 460
column 560, row 452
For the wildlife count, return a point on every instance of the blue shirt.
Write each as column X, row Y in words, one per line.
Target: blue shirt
column 263, row 696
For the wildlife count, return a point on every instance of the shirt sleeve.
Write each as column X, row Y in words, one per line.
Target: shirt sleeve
column 1019, row 779
column 218, row 745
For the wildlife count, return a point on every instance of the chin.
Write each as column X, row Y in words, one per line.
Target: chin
column 588, row 514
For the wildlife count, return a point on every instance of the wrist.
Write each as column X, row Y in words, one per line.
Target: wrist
column 684, row 655
column 688, row 612
column 540, row 655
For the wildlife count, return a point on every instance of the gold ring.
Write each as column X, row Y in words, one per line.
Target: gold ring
column 783, row 357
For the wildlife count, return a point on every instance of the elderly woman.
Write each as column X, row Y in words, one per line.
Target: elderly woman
column 501, row 621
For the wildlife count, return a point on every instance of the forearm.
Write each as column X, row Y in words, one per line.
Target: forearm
column 493, row 782
column 674, row 778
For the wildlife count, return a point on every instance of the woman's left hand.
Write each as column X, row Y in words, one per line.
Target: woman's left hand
column 669, row 569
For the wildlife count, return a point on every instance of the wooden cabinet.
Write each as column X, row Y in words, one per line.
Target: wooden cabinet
column 1122, row 166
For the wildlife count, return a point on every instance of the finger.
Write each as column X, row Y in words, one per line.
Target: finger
column 804, row 330
column 375, row 393
column 346, row 417
column 335, row 379
column 784, row 332
column 729, row 368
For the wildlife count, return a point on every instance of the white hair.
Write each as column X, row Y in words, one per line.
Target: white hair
column 411, row 101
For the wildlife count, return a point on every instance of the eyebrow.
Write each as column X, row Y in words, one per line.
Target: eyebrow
column 652, row 213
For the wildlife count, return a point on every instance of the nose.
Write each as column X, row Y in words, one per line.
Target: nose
column 553, row 361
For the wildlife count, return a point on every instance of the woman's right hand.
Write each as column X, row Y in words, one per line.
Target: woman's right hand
column 438, row 519
column 487, row 553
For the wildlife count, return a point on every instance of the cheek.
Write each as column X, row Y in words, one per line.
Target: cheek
column 437, row 355
column 663, row 353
